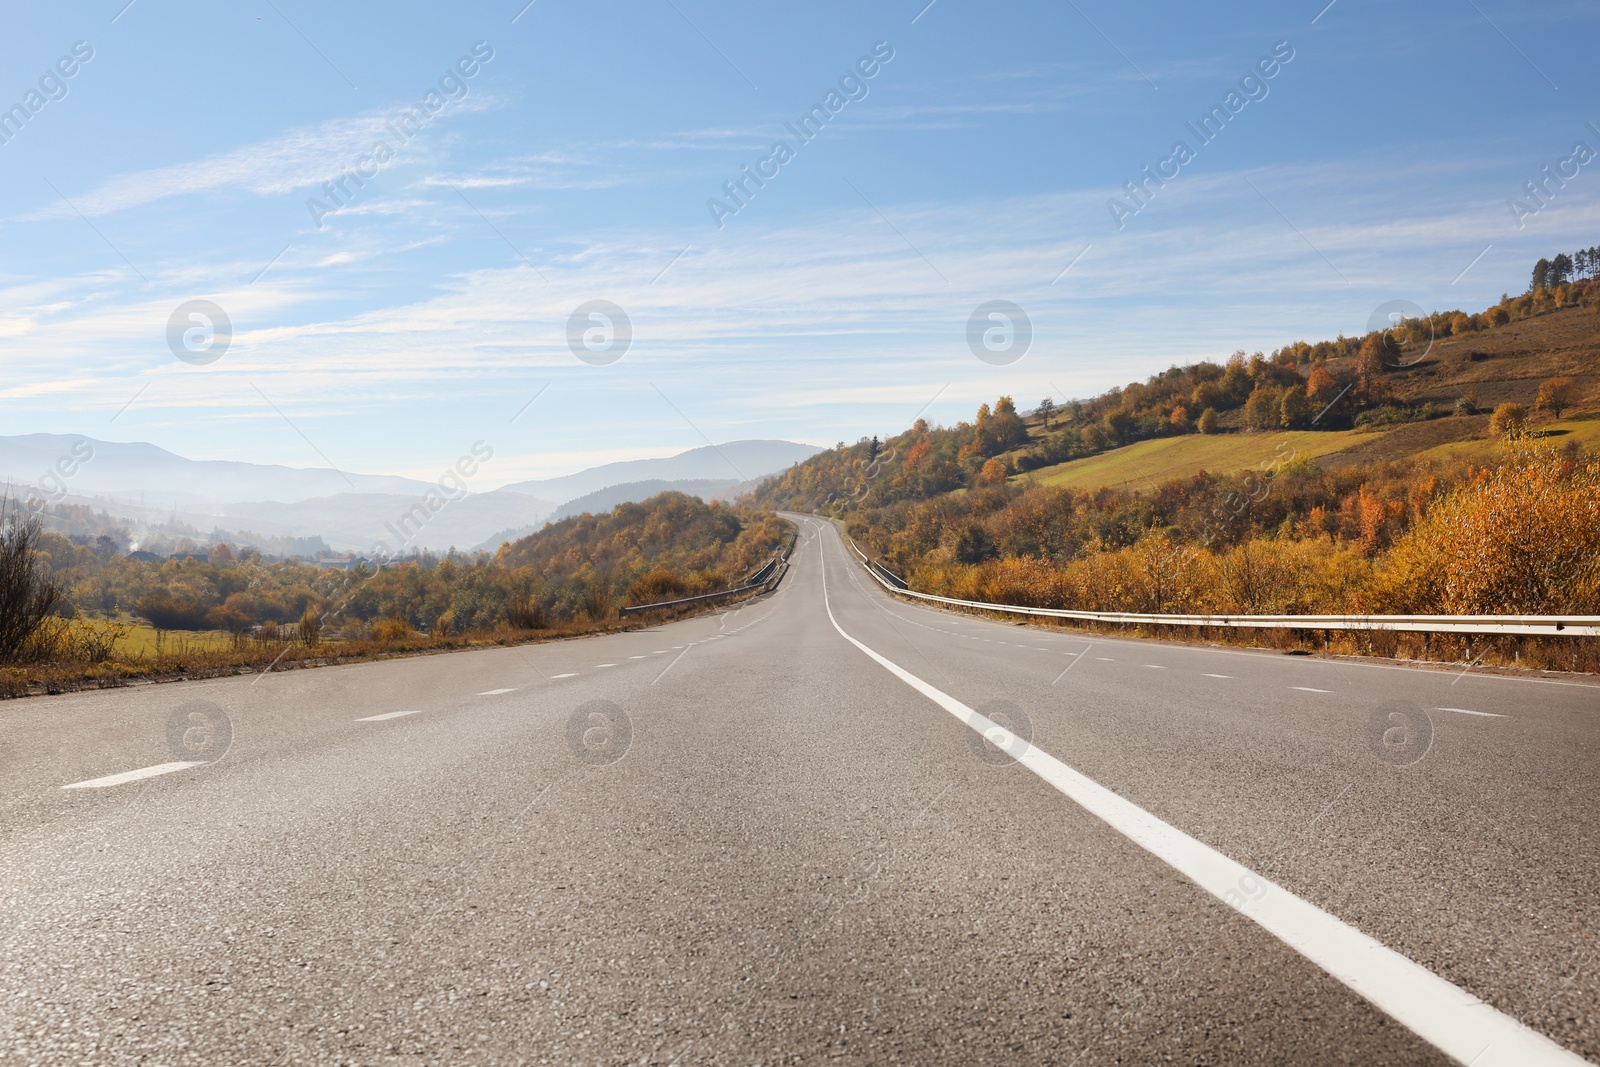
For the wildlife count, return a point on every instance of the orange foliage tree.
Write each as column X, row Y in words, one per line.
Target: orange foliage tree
column 1524, row 539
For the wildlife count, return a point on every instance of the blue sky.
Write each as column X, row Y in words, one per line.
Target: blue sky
column 576, row 163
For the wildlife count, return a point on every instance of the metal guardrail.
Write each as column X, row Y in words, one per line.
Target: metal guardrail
column 888, row 575
column 1530, row 625
column 763, row 580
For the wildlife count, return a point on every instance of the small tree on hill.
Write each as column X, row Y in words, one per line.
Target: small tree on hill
column 1209, row 422
column 1560, row 270
column 1555, row 395
column 1508, row 420
column 1295, row 410
column 1261, row 410
column 1321, row 386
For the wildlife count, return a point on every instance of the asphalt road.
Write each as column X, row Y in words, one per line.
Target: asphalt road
column 768, row 836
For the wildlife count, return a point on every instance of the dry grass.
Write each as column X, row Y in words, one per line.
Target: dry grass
column 210, row 654
column 1147, row 463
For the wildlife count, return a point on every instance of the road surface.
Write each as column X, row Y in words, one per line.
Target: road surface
column 773, row 835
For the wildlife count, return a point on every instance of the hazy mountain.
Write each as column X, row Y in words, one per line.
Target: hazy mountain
column 361, row 521
column 736, row 461
column 129, row 471
column 144, row 485
column 628, row 492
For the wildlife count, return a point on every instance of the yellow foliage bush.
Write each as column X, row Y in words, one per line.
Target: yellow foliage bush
column 1524, row 539
column 393, row 628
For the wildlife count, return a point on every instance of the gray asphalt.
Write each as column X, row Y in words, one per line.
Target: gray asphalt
column 765, row 848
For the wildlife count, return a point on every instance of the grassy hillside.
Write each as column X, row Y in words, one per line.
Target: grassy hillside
column 1442, row 466
column 1483, row 370
column 1148, row 463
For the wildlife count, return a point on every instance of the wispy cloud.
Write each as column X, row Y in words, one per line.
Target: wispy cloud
column 294, row 161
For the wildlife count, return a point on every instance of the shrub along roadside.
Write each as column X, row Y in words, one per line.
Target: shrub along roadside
column 1522, row 538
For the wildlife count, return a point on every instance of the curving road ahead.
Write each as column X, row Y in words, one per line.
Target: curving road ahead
column 777, row 835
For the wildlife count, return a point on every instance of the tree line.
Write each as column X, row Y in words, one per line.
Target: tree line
column 1564, row 268
column 56, row 594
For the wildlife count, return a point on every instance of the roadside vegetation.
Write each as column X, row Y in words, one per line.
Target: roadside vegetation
column 1331, row 478
column 78, row 615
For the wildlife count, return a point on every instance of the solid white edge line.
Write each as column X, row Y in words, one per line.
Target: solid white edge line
column 389, row 715
column 135, row 776
column 1442, row 1014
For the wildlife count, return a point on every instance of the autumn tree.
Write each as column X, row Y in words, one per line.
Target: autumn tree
column 1321, row 386
column 1047, row 408
column 1261, row 410
column 1523, row 540
column 999, row 430
column 1295, row 410
column 1555, row 395
column 1209, row 422
column 1508, row 420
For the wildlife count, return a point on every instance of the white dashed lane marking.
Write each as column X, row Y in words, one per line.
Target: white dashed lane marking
column 496, row 692
column 1308, row 689
column 1217, row 676
column 573, row 674
column 390, row 715
column 1155, row 666
column 1465, row 711
column 135, row 776
column 599, row 665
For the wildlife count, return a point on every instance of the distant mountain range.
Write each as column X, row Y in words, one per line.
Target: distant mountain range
column 628, row 492
column 143, row 485
column 125, row 471
column 736, row 461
